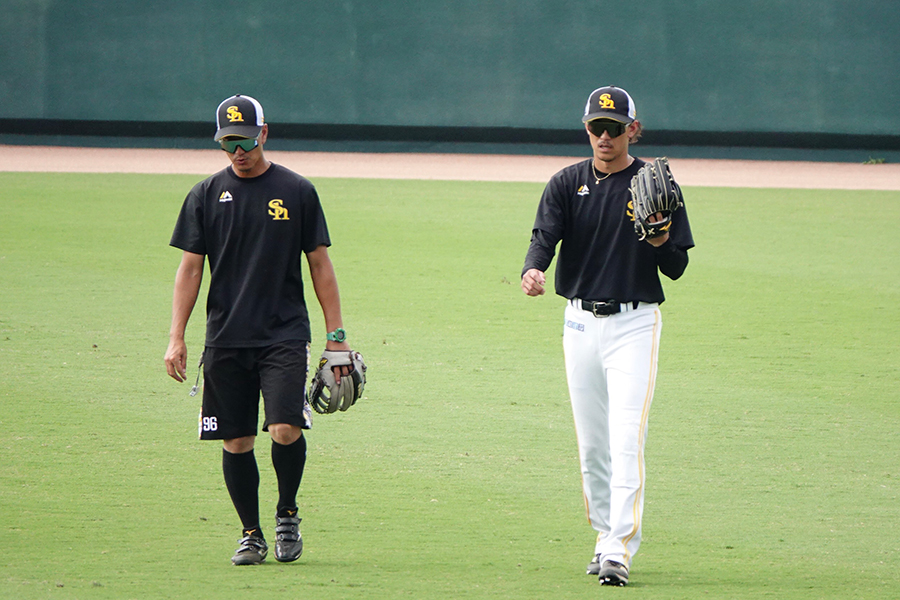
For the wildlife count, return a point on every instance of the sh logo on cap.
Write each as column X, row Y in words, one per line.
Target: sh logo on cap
column 234, row 115
column 609, row 102
column 240, row 116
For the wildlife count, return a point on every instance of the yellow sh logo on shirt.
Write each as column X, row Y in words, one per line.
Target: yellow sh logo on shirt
column 278, row 212
column 607, row 102
column 234, row 115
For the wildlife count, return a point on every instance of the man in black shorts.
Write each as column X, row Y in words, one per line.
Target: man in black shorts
column 253, row 220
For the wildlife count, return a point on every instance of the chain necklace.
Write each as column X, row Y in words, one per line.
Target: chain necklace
column 597, row 178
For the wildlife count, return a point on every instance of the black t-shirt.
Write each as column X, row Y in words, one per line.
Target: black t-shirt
column 600, row 257
column 253, row 231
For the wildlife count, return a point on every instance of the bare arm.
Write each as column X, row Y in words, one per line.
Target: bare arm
column 187, row 286
column 324, row 281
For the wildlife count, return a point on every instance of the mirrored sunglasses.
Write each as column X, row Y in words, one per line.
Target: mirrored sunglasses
column 245, row 144
column 613, row 128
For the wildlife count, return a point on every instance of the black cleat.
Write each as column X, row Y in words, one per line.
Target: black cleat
column 613, row 573
column 593, row 567
column 252, row 551
column 288, row 541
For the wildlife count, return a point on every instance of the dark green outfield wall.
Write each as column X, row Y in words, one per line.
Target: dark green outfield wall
column 823, row 66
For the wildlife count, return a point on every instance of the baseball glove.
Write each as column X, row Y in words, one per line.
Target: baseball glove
column 326, row 394
column 653, row 190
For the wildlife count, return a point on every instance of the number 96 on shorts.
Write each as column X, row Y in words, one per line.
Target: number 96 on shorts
column 207, row 424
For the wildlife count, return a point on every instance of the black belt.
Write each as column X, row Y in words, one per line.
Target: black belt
column 604, row 308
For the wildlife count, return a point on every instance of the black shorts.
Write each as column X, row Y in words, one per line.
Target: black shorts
column 233, row 379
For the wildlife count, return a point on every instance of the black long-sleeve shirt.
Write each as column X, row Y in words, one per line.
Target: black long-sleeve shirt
column 600, row 257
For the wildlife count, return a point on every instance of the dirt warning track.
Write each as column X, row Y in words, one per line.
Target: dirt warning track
column 459, row 167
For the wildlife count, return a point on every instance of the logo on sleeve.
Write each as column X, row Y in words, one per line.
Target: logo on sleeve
column 278, row 212
column 226, row 197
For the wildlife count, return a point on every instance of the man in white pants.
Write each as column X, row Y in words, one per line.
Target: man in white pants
column 612, row 318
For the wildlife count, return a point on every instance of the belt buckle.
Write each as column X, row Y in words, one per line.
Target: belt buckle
column 603, row 305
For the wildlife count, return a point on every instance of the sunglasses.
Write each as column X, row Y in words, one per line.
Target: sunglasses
column 245, row 144
column 613, row 128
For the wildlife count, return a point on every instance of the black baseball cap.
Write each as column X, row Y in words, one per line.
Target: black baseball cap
column 609, row 102
column 239, row 115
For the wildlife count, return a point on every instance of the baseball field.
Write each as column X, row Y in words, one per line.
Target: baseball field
column 774, row 438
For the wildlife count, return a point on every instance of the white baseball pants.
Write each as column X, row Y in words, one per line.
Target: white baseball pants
column 611, row 370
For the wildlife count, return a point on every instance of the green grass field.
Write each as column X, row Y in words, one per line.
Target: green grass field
column 774, row 438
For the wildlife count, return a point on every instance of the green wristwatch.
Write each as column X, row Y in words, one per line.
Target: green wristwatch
column 338, row 335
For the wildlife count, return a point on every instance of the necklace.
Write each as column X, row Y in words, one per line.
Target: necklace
column 597, row 178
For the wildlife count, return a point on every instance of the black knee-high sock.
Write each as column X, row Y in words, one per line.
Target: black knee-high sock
column 289, row 461
column 242, row 481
